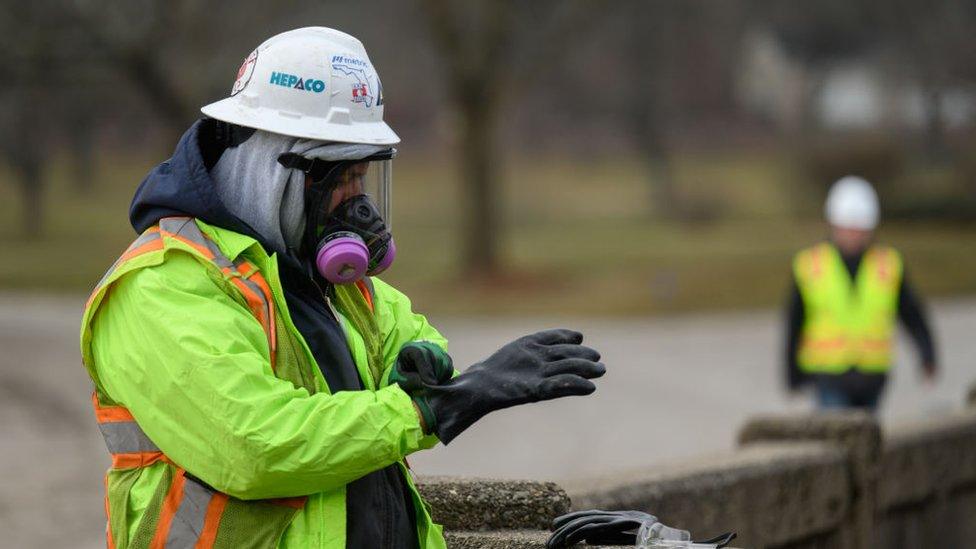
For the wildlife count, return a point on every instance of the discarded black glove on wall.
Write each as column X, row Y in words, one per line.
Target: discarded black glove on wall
column 597, row 527
column 542, row 366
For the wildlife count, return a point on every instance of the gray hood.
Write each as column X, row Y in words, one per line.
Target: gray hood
column 267, row 196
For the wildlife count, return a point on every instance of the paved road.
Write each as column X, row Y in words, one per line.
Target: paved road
column 675, row 387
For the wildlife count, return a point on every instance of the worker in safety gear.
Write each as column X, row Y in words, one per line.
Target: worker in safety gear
column 255, row 383
column 846, row 296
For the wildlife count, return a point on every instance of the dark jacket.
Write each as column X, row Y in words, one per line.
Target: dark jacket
column 379, row 506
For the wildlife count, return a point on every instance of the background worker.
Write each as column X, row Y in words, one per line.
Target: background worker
column 255, row 384
column 846, row 295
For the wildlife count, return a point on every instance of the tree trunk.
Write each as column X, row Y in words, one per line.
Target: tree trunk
column 479, row 175
column 32, row 193
column 82, row 154
column 651, row 141
column 662, row 196
column 935, row 140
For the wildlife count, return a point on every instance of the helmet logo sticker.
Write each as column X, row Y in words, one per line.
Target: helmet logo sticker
column 362, row 87
column 244, row 73
column 291, row 81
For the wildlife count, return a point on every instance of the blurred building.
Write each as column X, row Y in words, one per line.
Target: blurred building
column 861, row 91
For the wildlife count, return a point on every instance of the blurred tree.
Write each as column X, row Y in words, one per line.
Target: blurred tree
column 681, row 56
column 25, row 140
column 172, row 53
column 62, row 73
column 23, row 146
column 77, row 112
column 938, row 41
column 80, row 127
column 487, row 48
column 654, row 48
column 133, row 39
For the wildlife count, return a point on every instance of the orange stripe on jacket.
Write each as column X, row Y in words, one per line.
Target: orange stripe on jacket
column 198, row 247
column 211, row 521
column 151, row 246
column 294, row 503
column 166, row 514
column 266, row 290
column 110, row 414
column 365, row 291
column 137, row 459
column 108, row 519
column 256, row 305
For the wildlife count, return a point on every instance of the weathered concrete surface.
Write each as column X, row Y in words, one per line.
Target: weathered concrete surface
column 507, row 539
column 937, row 522
column 927, row 458
column 771, row 494
column 859, row 434
column 488, row 504
column 927, row 484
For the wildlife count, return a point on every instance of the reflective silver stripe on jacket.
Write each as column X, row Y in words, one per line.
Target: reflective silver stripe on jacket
column 144, row 238
column 125, row 437
column 187, row 524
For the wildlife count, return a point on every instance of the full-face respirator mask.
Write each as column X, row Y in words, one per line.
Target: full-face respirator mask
column 347, row 215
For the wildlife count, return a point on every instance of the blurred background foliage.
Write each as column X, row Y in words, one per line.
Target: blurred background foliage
column 558, row 156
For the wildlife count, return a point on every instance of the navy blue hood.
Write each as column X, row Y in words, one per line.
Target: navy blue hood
column 181, row 186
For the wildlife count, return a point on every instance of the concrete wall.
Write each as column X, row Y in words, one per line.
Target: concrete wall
column 769, row 493
column 795, row 482
column 927, row 491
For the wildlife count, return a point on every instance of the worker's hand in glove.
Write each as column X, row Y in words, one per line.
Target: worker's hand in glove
column 420, row 364
column 598, row 527
column 541, row 366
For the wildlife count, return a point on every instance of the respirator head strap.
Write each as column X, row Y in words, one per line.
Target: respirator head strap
column 319, row 169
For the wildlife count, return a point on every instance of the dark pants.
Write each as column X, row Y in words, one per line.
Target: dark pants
column 851, row 389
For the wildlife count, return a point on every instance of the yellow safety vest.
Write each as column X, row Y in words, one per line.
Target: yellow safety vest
column 849, row 323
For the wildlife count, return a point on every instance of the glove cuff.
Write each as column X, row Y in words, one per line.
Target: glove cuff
column 430, row 420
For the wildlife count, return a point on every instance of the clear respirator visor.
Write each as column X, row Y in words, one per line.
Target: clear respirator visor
column 372, row 176
column 377, row 184
column 331, row 184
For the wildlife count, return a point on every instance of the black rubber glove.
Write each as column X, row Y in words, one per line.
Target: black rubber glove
column 541, row 366
column 598, row 527
column 721, row 540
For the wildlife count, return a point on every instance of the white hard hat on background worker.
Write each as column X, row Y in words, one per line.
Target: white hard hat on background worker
column 852, row 203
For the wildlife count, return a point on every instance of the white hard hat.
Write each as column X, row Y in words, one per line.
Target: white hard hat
column 852, row 204
column 313, row 83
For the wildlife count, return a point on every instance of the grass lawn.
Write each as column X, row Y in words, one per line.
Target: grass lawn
column 575, row 238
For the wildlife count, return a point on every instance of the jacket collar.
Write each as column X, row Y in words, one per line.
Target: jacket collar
column 233, row 244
